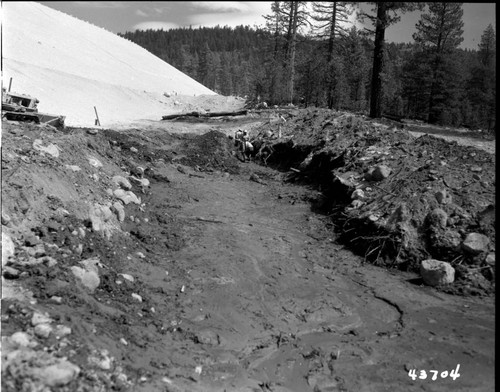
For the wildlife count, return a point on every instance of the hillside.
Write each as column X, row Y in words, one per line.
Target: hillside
column 72, row 66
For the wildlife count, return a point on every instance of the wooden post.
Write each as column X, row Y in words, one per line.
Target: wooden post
column 97, row 122
column 10, row 84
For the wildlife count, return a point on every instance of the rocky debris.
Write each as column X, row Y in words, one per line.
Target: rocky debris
column 490, row 259
column 435, row 272
column 42, row 368
column 365, row 169
column 475, row 243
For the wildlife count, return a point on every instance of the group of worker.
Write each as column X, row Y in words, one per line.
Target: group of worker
column 258, row 147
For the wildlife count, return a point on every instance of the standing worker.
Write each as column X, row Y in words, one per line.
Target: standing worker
column 281, row 121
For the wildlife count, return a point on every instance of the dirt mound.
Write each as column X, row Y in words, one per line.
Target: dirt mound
column 381, row 186
column 210, row 151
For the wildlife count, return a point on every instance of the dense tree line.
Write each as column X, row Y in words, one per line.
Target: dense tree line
column 309, row 56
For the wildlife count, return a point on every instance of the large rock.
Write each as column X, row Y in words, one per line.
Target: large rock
column 378, row 173
column 51, row 149
column 475, row 243
column 58, row 374
column 435, row 272
column 8, row 248
column 89, row 274
column 437, row 218
column 99, row 215
column 118, row 208
column 122, row 182
column 443, row 197
column 143, row 182
column 126, row 196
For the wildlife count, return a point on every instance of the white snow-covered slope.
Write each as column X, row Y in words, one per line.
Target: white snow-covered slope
column 71, row 66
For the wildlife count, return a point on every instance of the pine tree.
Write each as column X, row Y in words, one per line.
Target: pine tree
column 481, row 91
column 386, row 14
column 330, row 18
column 440, row 32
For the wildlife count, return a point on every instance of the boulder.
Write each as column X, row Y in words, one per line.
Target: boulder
column 475, row 243
column 142, row 182
column 8, row 248
column 89, row 274
column 118, row 208
column 490, row 259
column 58, row 374
column 358, row 194
column 94, row 162
column 437, row 218
column 122, row 182
column 435, row 272
column 126, row 197
column 51, row 149
column 378, row 173
column 99, row 215
column 443, row 197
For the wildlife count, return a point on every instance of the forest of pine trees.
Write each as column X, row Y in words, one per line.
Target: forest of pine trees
column 334, row 66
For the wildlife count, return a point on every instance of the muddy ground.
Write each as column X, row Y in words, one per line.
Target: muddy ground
column 218, row 275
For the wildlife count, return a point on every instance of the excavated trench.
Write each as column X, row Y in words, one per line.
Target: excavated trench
column 333, row 197
column 243, row 284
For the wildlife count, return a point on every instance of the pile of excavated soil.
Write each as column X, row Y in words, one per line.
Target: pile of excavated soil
column 390, row 220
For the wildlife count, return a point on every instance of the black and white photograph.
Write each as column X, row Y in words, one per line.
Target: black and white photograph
column 238, row 196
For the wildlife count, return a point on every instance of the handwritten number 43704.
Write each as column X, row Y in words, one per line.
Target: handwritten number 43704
column 423, row 374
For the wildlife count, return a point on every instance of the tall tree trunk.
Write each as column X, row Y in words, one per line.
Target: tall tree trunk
column 294, row 13
column 376, row 93
column 330, row 58
column 432, row 116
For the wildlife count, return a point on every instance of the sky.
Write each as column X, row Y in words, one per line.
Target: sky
column 123, row 16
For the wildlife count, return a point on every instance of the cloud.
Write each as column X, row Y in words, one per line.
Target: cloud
column 234, row 14
column 152, row 25
column 212, row 20
column 141, row 13
column 101, row 4
column 220, row 6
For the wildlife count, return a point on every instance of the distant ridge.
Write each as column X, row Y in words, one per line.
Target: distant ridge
column 66, row 63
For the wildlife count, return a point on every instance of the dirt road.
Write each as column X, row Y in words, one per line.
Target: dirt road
column 220, row 282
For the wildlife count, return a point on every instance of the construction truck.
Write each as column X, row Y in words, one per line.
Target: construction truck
column 21, row 107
